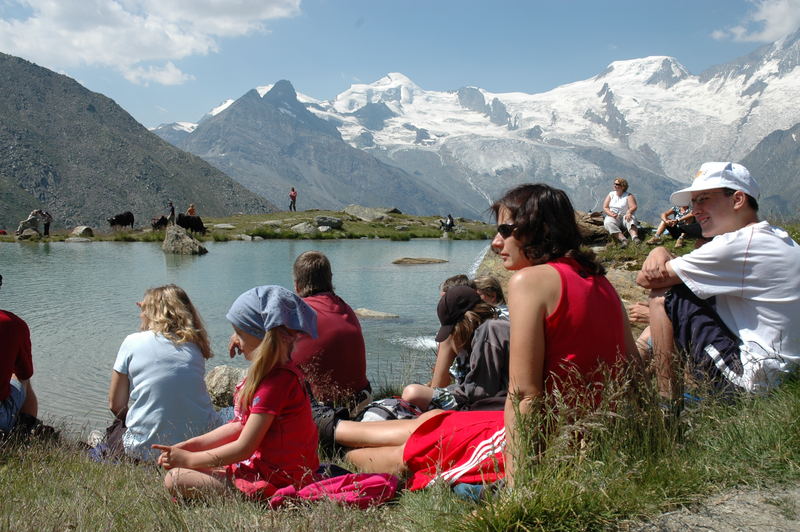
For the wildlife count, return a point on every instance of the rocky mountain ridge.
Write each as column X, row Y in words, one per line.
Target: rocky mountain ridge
column 80, row 156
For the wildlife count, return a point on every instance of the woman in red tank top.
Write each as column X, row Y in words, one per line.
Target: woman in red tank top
column 567, row 326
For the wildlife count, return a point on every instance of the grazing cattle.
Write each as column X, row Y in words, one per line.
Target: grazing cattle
column 125, row 219
column 191, row 223
column 159, row 223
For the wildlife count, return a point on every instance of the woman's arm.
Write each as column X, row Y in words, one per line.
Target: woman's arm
column 533, row 294
column 444, row 359
column 118, row 392
column 606, row 203
column 632, row 206
column 234, row 451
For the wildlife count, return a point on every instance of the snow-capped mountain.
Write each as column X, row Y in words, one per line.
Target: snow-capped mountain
column 648, row 120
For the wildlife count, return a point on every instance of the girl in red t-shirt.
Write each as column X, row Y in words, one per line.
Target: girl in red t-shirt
column 272, row 440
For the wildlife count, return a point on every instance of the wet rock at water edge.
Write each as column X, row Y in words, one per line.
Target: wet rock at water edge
column 29, row 234
column 221, row 382
column 179, row 242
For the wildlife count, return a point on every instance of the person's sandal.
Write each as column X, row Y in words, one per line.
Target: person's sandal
column 679, row 243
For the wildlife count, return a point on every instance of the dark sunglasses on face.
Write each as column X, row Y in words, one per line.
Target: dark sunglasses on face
column 506, row 230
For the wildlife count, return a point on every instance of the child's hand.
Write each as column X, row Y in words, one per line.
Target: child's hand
column 234, row 346
column 171, row 456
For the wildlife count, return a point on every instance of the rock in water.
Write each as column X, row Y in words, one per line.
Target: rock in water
column 179, row 242
column 221, row 382
column 374, row 314
column 417, row 260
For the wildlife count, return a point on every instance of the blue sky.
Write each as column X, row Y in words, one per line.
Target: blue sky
column 170, row 60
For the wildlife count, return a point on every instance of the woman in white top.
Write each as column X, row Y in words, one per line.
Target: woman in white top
column 160, row 371
column 619, row 208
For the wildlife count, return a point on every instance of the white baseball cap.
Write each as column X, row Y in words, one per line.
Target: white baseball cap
column 717, row 175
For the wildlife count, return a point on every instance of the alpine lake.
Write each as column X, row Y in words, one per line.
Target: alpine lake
column 79, row 300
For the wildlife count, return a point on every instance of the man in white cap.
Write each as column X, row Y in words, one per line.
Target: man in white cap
column 727, row 308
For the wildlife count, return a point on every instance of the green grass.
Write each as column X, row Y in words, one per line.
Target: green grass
column 630, row 462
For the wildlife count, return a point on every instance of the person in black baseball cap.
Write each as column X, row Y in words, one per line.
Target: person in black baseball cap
column 481, row 362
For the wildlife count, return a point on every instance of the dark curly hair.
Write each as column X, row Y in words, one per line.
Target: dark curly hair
column 546, row 225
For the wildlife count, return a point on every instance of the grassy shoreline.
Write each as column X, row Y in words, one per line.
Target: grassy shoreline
column 400, row 227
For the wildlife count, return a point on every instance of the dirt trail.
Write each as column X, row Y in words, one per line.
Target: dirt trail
column 771, row 510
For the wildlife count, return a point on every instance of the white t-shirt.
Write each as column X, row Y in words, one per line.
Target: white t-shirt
column 755, row 275
column 168, row 395
column 618, row 204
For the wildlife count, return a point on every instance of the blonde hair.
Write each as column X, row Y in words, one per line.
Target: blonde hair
column 623, row 182
column 265, row 357
column 168, row 311
column 465, row 328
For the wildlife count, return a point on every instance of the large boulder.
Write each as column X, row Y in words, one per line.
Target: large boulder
column 369, row 214
column 330, row 221
column 305, row 228
column 221, row 383
column 179, row 242
column 82, row 231
column 29, row 234
column 591, row 227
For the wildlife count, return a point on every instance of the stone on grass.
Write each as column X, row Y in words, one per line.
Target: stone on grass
column 179, row 242
column 304, row 228
column 323, row 228
column 224, row 226
column 29, row 234
column 330, row 221
column 82, row 231
column 368, row 214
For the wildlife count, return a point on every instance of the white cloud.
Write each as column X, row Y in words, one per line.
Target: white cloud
column 768, row 21
column 138, row 38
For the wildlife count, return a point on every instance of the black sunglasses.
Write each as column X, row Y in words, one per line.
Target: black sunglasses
column 506, row 230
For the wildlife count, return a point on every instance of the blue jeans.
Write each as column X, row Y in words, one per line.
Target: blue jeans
column 10, row 407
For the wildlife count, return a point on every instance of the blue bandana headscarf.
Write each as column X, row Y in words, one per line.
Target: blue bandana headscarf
column 265, row 307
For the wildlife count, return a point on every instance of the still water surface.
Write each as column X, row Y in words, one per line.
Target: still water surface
column 79, row 301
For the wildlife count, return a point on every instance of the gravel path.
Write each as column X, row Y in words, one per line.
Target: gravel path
column 775, row 510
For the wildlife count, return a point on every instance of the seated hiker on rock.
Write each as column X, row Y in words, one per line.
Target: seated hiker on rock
column 335, row 362
column 481, row 344
column 160, row 372
column 271, row 443
column 557, row 344
column 491, row 291
column 619, row 208
column 729, row 309
column 681, row 225
column 18, row 402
